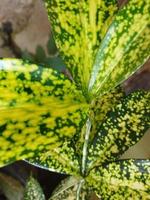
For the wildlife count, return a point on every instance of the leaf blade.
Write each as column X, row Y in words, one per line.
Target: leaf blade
column 79, row 27
column 123, row 127
column 37, row 105
column 62, row 159
column 124, row 49
column 122, row 179
column 33, row 190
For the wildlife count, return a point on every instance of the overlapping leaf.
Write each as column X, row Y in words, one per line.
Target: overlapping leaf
column 126, row 179
column 124, row 49
column 79, row 27
column 123, row 127
column 39, row 110
column 68, row 190
column 97, row 114
column 101, row 106
column 62, row 159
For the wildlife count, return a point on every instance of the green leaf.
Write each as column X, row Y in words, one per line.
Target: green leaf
column 124, row 49
column 101, row 106
column 68, row 190
column 33, row 190
column 61, row 159
column 40, row 109
column 40, row 54
column 97, row 114
column 123, row 127
column 79, row 27
column 51, row 46
column 124, row 179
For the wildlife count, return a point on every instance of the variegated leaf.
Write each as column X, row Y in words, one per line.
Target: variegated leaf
column 69, row 188
column 97, row 114
column 66, row 189
column 101, row 106
column 62, row 159
column 124, row 49
column 33, row 190
column 123, row 127
column 124, row 179
column 40, row 108
column 79, row 27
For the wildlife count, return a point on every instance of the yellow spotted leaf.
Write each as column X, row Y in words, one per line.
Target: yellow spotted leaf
column 79, row 27
column 124, row 179
column 123, row 127
column 39, row 107
column 62, row 159
column 124, row 49
column 33, row 190
column 101, row 106
column 97, row 114
column 66, row 189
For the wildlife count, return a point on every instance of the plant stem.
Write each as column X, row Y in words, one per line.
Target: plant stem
column 79, row 189
column 85, row 147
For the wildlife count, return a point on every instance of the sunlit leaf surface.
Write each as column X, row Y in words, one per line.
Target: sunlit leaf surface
column 123, row 127
column 79, row 27
column 40, row 108
column 127, row 179
column 124, row 49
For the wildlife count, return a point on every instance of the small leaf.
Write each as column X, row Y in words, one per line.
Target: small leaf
column 33, row 190
column 124, row 179
column 79, row 27
column 40, row 109
column 51, row 46
column 124, row 49
column 123, row 127
column 68, row 190
column 55, row 63
column 40, row 54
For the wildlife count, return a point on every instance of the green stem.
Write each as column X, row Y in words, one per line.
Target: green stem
column 79, row 189
column 85, row 147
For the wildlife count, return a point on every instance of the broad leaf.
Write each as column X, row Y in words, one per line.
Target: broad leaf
column 79, row 27
column 124, row 49
column 33, row 190
column 61, row 159
column 101, row 106
column 97, row 114
column 123, row 127
column 40, row 109
column 126, row 179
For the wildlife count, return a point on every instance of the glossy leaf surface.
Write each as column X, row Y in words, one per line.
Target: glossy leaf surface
column 101, row 106
column 124, row 49
column 126, row 179
column 39, row 108
column 79, row 27
column 97, row 114
column 62, row 159
column 124, row 126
